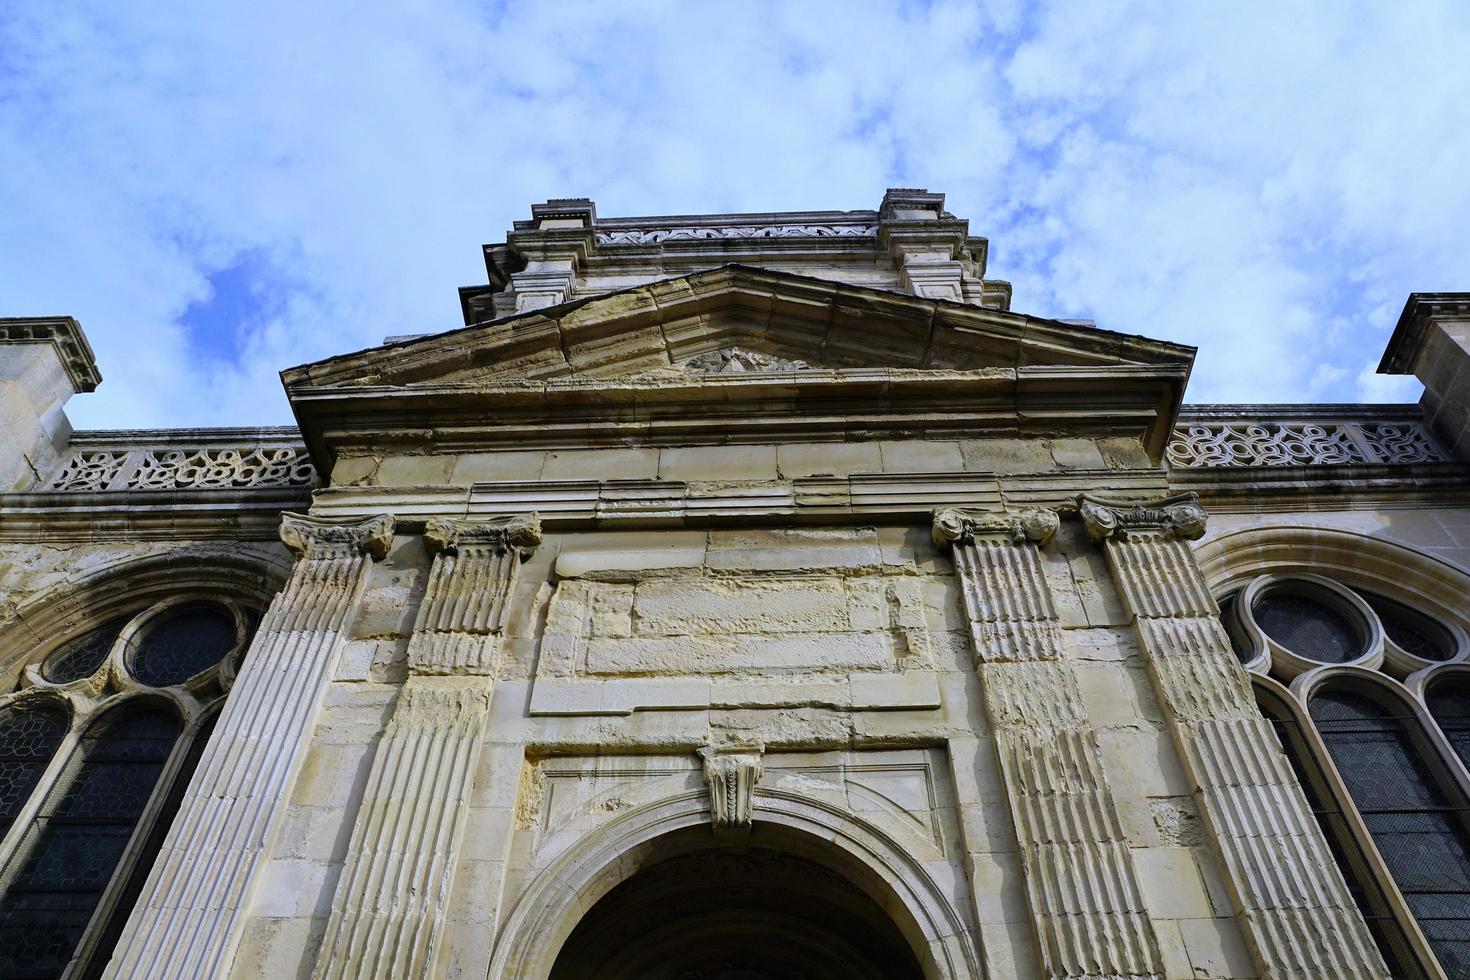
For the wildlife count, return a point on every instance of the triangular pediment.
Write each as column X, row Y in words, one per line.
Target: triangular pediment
column 734, row 319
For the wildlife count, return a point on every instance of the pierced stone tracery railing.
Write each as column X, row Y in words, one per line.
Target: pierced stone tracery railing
column 1213, row 440
column 210, row 468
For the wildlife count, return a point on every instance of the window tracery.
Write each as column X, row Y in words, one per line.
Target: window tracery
column 94, row 748
column 1369, row 694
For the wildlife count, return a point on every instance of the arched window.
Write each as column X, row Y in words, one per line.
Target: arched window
column 1367, row 894
column 148, row 685
column 30, row 731
column 1411, row 808
column 57, row 878
column 1449, row 703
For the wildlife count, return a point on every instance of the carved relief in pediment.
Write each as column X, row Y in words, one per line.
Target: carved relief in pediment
column 738, row 360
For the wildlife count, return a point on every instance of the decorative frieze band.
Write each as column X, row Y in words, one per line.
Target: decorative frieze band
column 1265, row 442
column 1080, row 880
column 191, row 913
column 389, row 908
column 228, row 468
column 698, row 233
column 1298, row 917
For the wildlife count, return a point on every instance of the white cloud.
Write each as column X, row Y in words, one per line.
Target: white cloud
column 1266, row 181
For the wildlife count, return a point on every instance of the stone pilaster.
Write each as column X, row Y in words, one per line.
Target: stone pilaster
column 1294, row 908
column 191, row 913
column 389, row 908
column 1080, row 880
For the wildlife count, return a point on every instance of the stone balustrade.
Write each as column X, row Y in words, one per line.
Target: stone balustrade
column 253, row 459
column 1302, row 435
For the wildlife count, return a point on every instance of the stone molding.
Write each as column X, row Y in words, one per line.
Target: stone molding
column 1295, row 910
column 65, row 334
column 730, row 774
column 192, row 910
column 1080, row 882
column 311, row 537
column 1176, row 516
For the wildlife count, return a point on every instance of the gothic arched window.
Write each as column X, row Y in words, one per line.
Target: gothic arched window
column 144, row 689
column 1412, row 810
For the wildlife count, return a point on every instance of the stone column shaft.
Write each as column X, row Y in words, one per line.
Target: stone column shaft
column 1295, row 910
column 1083, row 892
column 389, row 908
column 192, row 911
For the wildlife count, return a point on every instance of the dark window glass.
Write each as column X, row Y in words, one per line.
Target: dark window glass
column 1416, row 819
column 51, row 886
column 181, row 643
column 29, row 734
column 1227, row 619
column 82, row 656
column 1308, row 627
column 1449, row 703
column 1413, row 631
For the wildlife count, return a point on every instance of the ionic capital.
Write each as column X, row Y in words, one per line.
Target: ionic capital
column 316, row 537
column 1019, row 526
column 1178, row 516
column 522, row 531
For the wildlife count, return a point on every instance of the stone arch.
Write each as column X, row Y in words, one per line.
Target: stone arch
column 45, row 619
column 553, row 905
column 1356, row 559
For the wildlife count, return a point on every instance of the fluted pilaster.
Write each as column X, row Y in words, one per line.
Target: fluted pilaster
column 193, row 907
column 389, row 908
column 1295, row 910
column 1080, row 880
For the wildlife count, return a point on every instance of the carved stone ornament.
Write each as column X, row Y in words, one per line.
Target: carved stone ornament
column 697, row 233
column 1177, row 516
column 737, row 360
column 314, row 537
column 522, row 531
column 730, row 773
column 954, row 524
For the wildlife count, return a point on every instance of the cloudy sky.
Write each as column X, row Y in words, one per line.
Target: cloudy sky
column 219, row 190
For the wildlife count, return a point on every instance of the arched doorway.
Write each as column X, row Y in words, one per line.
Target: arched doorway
column 696, row 910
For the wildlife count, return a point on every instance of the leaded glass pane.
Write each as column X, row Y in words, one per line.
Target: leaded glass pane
column 1308, row 627
column 29, row 734
column 82, row 656
column 1417, row 823
column 1449, row 703
column 51, row 886
column 181, row 643
column 1413, row 631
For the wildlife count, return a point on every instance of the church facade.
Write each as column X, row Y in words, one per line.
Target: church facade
column 734, row 597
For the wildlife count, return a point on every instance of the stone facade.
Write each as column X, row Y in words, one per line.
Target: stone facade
column 739, row 596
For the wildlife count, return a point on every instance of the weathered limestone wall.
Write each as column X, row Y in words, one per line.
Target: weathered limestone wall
column 845, row 652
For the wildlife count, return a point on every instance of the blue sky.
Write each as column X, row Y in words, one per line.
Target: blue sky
column 218, row 191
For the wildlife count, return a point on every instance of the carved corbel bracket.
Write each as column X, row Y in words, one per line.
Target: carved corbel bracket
column 315, row 537
column 1019, row 526
column 499, row 534
column 730, row 773
column 1178, row 516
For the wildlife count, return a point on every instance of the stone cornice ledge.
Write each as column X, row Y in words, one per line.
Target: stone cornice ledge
column 63, row 332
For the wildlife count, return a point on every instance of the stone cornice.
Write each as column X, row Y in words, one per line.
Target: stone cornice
column 315, row 537
column 1179, row 516
column 522, row 532
column 1033, row 524
column 65, row 334
column 1420, row 310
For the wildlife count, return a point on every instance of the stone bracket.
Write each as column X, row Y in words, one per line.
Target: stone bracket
column 731, row 773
